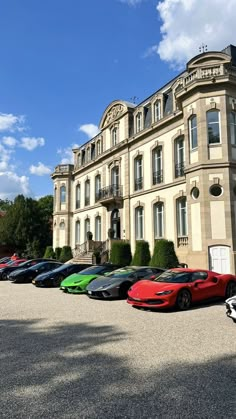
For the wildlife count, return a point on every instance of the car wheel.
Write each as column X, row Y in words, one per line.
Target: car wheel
column 57, row 281
column 183, row 300
column 4, row 276
column 230, row 290
column 123, row 290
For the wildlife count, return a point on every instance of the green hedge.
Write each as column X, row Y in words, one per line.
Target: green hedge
column 142, row 254
column 164, row 255
column 120, row 253
column 57, row 253
column 66, row 254
column 49, row 253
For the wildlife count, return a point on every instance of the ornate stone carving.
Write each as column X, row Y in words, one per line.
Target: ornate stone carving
column 114, row 112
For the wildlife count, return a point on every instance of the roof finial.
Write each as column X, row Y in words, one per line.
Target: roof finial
column 203, row 48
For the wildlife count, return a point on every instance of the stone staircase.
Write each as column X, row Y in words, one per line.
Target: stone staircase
column 84, row 253
column 86, row 258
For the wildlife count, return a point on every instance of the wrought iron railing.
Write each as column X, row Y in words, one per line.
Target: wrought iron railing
column 157, row 177
column 109, row 192
column 138, row 184
column 179, row 169
column 182, row 241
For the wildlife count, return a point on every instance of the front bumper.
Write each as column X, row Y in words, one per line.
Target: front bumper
column 73, row 290
column 161, row 302
column 231, row 308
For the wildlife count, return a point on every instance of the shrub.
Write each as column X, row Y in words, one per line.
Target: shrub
column 57, row 253
column 66, row 254
column 164, row 254
column 120, row 253
column 142, row 254
column 49, row 253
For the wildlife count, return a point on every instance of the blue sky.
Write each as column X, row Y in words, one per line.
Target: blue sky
column 64, row 61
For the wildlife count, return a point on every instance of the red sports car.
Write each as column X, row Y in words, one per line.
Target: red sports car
column 180, row 288
column 12, row 263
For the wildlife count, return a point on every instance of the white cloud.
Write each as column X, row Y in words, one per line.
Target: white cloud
column 186, row 24
column 5, row 155
column 132, row 2
column 30, row 143
column 9, row 122
column 13, row 185
column 9, row 141
column 67, row 154
column 40, row 169
column 89, row 129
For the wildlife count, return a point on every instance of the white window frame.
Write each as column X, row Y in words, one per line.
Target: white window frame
column 209, row 124
column 87, row 193
column 98, row 228
column 139, row 223
column 158, row 214
column 232, row 125
column 138, row 120
column 182, row 217
column 63, row 194
column 77, row 232
column 193, row 132
column 157, row 110
column 77, row 196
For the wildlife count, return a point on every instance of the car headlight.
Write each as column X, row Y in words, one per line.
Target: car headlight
column 164, row 292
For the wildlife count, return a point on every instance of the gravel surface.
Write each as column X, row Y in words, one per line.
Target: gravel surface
column 66, row 356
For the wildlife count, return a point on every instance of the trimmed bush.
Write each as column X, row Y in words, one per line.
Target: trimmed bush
column 120, row 253
column 66, row 254
column 49, row 253
column 142, row 254
column 164, row 255
column 57, row 253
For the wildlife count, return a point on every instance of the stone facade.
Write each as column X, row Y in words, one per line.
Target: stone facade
column 165, row 168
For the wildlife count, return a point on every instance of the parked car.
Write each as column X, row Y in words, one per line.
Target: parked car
column 5, row 272
column 11, row 262
column 181, row 287
column 27, row 275
column 5, row 259
column 55, row 277
column 77, row 283
column 231, row 308
column 117, row 283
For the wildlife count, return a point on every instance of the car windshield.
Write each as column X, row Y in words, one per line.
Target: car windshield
column 120, row 273
column 37, row 266
column 177, row 277
column 61, row 268
column 95, row 270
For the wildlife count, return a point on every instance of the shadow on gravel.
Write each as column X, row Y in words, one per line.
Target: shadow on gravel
column 68, row 372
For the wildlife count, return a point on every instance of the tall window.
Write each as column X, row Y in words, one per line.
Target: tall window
column 114, row 136
column 62, row 194
column 213, row 127
column 182, row 226
column 138, row 173
column 87, row 193
column 88, row 155
column 55, row 198
column 92, row 151
column 98, row 228
column 157, row 172
column 232, row 124
column 158, row 220
column 157, row 110
column 139, row 223
column 179, row 157
column 86, row 228
column 97, row 187
column 77, row 196
column 193, row 132
column 99, row 147
column 115, row 177
column 77, row 232
column 138, row 122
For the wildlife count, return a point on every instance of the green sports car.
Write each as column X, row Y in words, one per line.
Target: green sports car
column 77, row 283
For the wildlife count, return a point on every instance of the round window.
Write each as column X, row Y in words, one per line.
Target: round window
column 195, row 193
column 216, row 190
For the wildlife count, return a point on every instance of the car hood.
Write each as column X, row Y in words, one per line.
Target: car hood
column 45, row 275
column 149, row 288
column 103, row 282
column 75, row 279
column 17, row 272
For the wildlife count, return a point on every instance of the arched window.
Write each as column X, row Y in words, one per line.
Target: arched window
column 77, row 196
column 86, row 228
column 182, row 222
column 97, row 188
column 158, row 213
column 139, row 223
column 115, row 179
column 193, row 132
column 213, row 126
column 138, row 173
column 232, row 124
column 157, row 110
column 62, row 194
column 77, row 232
column 114, row 136
column 98, row 230
column 157, row 172
column 138, row 122
column 179, row 157
column 87, row 193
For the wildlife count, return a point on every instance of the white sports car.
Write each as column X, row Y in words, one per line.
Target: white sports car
column 231, row 308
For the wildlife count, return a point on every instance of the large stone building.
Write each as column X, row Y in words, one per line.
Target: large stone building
column 165, row 168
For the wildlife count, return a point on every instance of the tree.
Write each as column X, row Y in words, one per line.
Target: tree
column 164, row 255
column 49, row 253
column 66, row 254
column 57, row 253
column 120, row 253
column 142, row 254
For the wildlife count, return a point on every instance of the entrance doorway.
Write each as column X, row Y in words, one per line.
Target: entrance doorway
column 115, row 223
column 219, row 259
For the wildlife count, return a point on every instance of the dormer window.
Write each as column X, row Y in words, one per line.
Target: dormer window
column 114, row 136
column 99, row 147
column 83, row 157
column 88, row 155
column 157, row 110
column 138, row 122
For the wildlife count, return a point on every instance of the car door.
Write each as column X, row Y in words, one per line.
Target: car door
column 204, row 285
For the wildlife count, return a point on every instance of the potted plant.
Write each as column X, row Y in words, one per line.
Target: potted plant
column 89, row 235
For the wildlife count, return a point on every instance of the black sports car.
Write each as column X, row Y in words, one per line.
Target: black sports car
column 55, row 277
column 27, row 275
column 117, row 283
column 5, row 272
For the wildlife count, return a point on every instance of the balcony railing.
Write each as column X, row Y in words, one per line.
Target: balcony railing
column 179, row 169
column 64, row 168
column 157, row 177
column 111, row 191
column 138, row 184
column 182, row 241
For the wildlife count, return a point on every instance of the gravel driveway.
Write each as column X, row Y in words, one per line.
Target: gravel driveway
column 66, row 356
